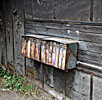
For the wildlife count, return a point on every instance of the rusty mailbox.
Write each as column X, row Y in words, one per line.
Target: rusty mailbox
column 31, row 46
column 57, row 52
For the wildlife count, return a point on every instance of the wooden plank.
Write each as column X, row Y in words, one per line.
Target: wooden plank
column 91, row 28
column 18, row 8
column 43, row 9
column 89, row 37
column 71, row 31
column 18, row 24
column 28, row 9
column 92, row 47
column 97, row 10
column 90, row 57
column 73, row 10
column 9, row 32
column 36, row 30
column 86, row 28
column 31, row 24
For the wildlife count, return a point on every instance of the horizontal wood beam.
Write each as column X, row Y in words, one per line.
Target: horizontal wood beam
column 65, row 21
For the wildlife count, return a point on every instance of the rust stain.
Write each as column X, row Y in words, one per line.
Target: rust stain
column 32, row 49
column 67, row 58
column 11, row 67
column 31, row 73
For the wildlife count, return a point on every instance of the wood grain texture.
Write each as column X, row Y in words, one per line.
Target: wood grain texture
column 9, row 32
column 18, row 24
column 90, row 57
column 28, row 9
column 43, row 9
column 90, row 44
column 97, row 7
column 73, row 9
column 88, row 37
column 87, row 28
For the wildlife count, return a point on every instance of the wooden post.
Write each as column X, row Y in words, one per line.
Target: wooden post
column 25, row 72
column 65, row 80
column 42, row 67
column 91, row 87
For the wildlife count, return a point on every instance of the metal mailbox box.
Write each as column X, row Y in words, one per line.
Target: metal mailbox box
column 57, row 52
column 31, row 46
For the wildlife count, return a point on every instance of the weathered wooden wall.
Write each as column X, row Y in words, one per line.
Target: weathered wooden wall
column 2, row 36
column 90, row 43
column 75, row 19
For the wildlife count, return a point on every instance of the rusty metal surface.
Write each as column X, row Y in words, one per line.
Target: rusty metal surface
column 61, row 40
column 57, row 52
column 43, row 48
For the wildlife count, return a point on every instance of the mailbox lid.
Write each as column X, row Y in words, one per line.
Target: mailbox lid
column 60, row 40
column 34, row 36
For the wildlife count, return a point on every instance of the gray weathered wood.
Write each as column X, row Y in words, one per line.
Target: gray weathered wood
column 90, row 44
column 73, row 9
column 18, row 32
column 9, row 32
column 97, row 10
column 43, row 9
column 28, row 9
column 90, row 57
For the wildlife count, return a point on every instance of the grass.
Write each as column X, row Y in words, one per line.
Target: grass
column 19, row 84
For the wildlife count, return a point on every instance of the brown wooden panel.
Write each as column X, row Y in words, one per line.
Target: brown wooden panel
column 97, row 10
column 43, row 9
column 73, row 9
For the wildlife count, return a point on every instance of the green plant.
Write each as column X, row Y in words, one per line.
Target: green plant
column 2, row 72
column 51, row 98
column 16, row 83
column 29, row 87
